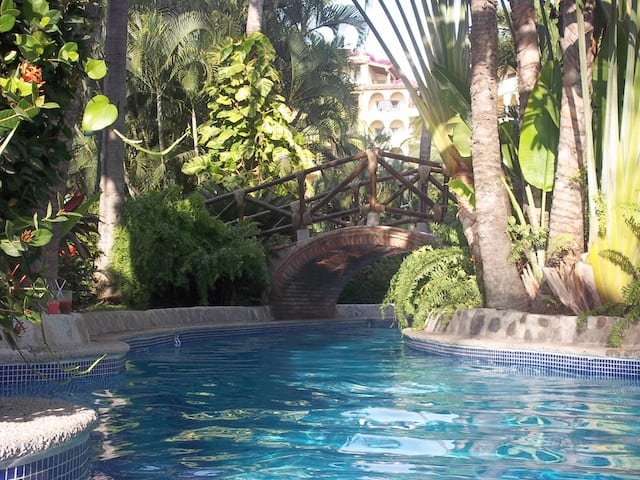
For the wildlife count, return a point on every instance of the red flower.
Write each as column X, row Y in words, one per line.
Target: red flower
column 31, row 73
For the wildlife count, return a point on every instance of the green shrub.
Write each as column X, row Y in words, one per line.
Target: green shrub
column 434, row 281
column 171, row 252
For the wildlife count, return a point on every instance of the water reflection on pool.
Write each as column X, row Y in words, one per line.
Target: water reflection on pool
column 350, row 403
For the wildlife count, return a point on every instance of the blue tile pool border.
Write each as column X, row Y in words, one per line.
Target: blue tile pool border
column 66, row 462
column 531, row 362
column 59, row 371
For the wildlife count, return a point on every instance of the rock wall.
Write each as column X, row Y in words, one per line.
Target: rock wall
column 513, row 326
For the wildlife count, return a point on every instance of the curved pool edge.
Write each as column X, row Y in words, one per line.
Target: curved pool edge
column 535, row 343
column 45, row 438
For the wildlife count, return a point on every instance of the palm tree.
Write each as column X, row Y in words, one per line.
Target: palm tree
column 566, row 219
column 308, row 38
column 525, row 39
column 112, row 173
column 157, row 42
column 502, row 285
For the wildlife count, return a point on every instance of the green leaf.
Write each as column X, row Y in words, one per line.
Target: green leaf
column 463, row 190
column 41, row 237
column 6, row 5
column 11, row 248
column 231, row 70
column 7, row 22
column 35, row 8
column 540, row 130
column 243, row 93
column 69, row 52
column 196, row 165
column 98, row 114
column 95, row 69
column 264, row 86
column 8, row 119
column 460, row 135
column 232, row 115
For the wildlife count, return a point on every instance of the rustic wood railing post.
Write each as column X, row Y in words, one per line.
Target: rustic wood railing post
column 373, row 214
column 300, row 221
column 239, row 197
column 355, row 195
column 423, row 173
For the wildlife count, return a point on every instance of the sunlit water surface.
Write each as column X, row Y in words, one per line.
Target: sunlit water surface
column 355, row 404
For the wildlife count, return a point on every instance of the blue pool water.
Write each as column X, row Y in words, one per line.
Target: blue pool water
column 354, row 404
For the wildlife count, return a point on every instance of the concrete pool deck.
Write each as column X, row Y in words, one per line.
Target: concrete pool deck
column 33, row 427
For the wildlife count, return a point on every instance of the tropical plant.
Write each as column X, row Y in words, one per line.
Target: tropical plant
column 112, row 151
column 433, row 282
column 43, row 63
column 310, row 56
column 22, row 292
column 247, row 138
column 617, row 73
column 200, row 255
column 161, row 46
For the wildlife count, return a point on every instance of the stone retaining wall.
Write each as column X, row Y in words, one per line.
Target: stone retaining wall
column 520, row 329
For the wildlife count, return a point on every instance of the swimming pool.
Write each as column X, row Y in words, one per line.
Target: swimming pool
column 346, row 403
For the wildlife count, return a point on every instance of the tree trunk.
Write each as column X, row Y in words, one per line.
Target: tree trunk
column 523, row 15
column 160, row 133
column 112, row 149
column 566, row 219
column 425, row 144
column 254, row 16
column 502, row 285
column 194, row 130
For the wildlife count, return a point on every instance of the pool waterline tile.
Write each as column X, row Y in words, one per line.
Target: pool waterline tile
column 534, row 362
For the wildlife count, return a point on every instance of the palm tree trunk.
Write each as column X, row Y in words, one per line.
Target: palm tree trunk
column 502, row 285
column 194, row 130
column 112, row 149
column 523, row 14
column 566, row 219
column 425, row 144
column 254, row 16
column 160, row 132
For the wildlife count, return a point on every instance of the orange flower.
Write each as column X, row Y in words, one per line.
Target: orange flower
column 26, row 236
column 31, row 73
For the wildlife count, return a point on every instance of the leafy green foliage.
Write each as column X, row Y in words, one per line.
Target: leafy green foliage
column 630, row 291
column 20, row 293
column 247, row 137
column 170, row 252
column 42, row 46
column 616, row 336
column 630, row 267
column 78, row 252
column 538, row 144
column 434, row 281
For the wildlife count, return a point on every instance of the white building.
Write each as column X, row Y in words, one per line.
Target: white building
column 384, row 103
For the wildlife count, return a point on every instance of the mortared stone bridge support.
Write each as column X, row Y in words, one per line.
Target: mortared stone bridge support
column 307, row 281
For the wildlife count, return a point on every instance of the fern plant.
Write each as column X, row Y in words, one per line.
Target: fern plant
column 631, row 291
column 434, row 281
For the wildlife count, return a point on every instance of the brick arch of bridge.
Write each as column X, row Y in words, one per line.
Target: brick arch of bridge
column 307, row 281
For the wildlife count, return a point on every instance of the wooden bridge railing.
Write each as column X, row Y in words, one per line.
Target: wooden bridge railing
column 373, row 192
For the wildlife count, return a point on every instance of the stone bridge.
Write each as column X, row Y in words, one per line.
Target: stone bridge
column 308, row 279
